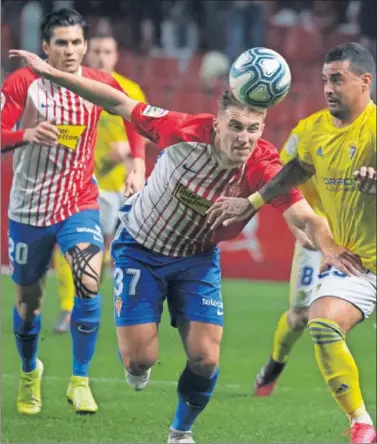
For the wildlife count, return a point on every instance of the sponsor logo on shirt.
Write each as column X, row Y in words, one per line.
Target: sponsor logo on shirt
column 153, row 111
column 192, row 200
column 69, row 135
column 338, row 184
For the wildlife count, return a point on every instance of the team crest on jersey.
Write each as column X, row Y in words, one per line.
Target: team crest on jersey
column 118, row 305
column 153, row 111
column 69, row 135
column 234, row 190
column 192, row 200
column 2, row 100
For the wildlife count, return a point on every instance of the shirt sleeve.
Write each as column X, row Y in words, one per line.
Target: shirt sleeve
column 13, row 99
column 261, row 172
column 291, row 145
column 136, row 141
column 162, row 127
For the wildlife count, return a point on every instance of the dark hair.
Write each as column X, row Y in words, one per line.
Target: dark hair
column 361, row 60
column 227, row 99
column 62, row 17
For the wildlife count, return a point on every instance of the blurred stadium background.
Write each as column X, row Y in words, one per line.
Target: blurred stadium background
column 180, row 52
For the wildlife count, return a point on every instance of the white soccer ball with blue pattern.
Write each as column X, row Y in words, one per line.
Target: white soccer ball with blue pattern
column 260, row 78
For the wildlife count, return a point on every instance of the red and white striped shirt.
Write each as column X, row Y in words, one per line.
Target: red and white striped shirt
column 168, row 214
column 52, row 183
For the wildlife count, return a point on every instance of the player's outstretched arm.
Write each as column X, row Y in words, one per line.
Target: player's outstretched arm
column 301, row 216
column 96, row 92
column 229, row 210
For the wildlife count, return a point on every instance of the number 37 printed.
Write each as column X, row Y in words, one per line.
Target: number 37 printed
column 119, row 280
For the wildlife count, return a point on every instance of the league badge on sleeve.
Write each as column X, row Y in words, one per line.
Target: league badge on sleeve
column 2, row 100
column 153, row 111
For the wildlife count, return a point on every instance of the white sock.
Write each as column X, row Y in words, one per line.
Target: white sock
column 361, row 416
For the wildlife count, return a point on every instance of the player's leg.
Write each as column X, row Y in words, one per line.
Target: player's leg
column 30, row 252
column 292, row 323
column 196, row 306
column 81, row 240
column 139, row 292
column 66, row 291
column 340, row 303
column 109, row 203
column 304, row 272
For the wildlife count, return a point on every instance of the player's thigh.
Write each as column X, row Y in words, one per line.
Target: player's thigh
column 344, row 299
column 81, row 241
column 196, row 306
column 202, row 345
column 304, row 276
column 139, row 294
column 30, row 252
column 109, row 203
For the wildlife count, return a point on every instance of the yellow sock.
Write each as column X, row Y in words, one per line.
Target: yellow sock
column 66, row 288
column 337, row 366
column 284, row 339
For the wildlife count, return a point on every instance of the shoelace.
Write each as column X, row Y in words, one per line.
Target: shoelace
column 28, row 385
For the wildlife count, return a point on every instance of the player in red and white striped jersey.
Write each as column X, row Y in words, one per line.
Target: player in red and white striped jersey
column 165, row 248
column 54, row 199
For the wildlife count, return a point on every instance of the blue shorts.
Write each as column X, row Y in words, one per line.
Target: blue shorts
column 143, row 280
column 30, row 248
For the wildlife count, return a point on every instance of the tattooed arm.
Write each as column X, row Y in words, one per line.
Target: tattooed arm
column 228, row 210
column 292, row 174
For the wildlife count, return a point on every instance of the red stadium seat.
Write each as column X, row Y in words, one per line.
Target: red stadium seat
column 191, row 102
column 275, row 38
column 159, row 71
column 159, row 97
column 303, row 44
column 309, row 104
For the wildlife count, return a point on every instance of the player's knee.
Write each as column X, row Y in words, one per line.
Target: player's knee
column 86, row 265
column 204, row 364
column 298, row 318
column 138, row 364
column 324, row 331
column 29, row 300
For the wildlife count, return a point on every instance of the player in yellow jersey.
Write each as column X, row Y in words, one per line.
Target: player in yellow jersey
column 112, row 161
column 303, row 280
column 337, row 149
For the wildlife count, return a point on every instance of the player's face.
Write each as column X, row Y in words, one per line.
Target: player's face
column 238, row 131
column 343, row 88
column 102, row 54
column 66, row 48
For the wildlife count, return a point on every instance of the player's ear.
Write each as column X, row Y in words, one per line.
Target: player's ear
column 366, row 81
column 45, row 47
column 216, row 126
column 85, row 46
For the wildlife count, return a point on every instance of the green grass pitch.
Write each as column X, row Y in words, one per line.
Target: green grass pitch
column 300, row 410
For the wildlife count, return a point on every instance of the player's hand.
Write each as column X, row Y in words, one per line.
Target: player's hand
column 366, row 179
column 343, row 260
column 229, row 210
column 45, row 133
column 134, row 182
column 38, row 65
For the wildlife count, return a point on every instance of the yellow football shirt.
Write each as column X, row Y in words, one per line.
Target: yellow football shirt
column 336, row 153
column 111, row 129
column 289, row 152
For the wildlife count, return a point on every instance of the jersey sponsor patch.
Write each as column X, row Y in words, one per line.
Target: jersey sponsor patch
column 2, row 100
column 69, row 135
column 292, row 145
column 153, row 111
column 192, row 200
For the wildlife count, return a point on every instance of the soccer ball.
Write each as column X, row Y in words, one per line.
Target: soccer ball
column 260, row 78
